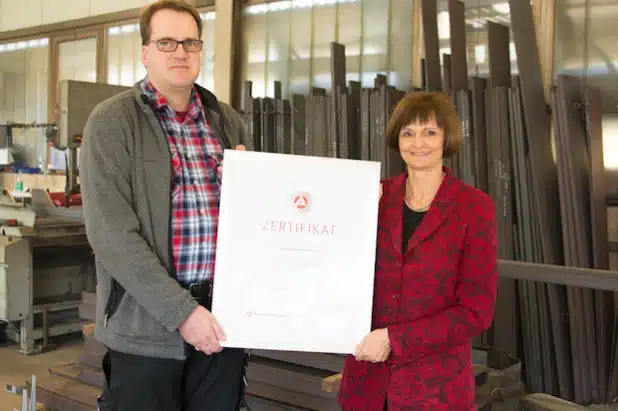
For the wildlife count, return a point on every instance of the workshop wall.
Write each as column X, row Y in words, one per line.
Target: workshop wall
column 40, row 12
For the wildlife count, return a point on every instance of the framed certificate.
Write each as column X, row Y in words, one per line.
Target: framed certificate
column 296, row 251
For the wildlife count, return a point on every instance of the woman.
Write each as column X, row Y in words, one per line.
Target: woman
column 436, row 273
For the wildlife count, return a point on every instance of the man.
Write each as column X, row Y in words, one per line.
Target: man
column 150, row 174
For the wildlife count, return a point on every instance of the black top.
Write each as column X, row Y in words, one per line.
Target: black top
column 411, row 220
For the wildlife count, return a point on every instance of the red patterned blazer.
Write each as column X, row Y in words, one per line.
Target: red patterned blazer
column 433, row 299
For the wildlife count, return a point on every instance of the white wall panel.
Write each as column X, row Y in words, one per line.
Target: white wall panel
column 55, row 11
column 111, row 6
column 17, row 14
column 20, row 14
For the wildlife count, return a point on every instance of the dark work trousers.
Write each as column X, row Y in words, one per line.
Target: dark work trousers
column 200, row 383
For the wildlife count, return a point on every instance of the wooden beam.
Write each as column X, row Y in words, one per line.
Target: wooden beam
column 331, row 383
column 418, row 46
column 558, row 274
column 225, row 32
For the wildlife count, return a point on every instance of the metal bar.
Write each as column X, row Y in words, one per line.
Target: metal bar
column 309, row 124
column 380, row 122
column 498, row 40
column 287, row 376
column 432, row 46
column 344, row 124
column 320, row 137
column 544, row 173
column 466, row 155
column 479, row 127
column 299, row 107
column 560, row 275
column 329, row 362
column 277, row 90
column 396, row 165
column 505, row 333
column 354, row 118
column 293, row 397
column 572, row 171
column 459, row 46
column 279, row 127
column 365, row 125
column 604, row 302
column 338, row 66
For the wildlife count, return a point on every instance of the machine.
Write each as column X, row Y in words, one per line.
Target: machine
column 45, row 259
column 77, row 100
column 44, row 265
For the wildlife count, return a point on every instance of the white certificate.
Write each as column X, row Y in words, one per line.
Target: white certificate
column 296, row 251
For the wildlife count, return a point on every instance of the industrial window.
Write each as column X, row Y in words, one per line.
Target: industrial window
column 289, row 41
column 23, row 95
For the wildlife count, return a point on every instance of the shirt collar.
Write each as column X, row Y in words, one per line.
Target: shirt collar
column 158, row 101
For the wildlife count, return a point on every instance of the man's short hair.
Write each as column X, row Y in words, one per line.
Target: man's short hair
column 175, row 5
column 421, row 106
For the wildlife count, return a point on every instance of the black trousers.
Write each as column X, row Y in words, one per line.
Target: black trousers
column 202, row 382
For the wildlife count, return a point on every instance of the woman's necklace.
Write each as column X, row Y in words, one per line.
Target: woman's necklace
column 425, row 206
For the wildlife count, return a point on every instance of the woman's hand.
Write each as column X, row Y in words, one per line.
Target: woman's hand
column 375, row 347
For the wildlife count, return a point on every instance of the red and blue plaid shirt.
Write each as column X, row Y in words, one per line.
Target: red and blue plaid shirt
column 196, row 163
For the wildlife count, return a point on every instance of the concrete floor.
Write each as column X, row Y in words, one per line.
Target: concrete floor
column 16, row 368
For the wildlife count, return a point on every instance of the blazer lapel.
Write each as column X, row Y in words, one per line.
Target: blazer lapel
column 437, row 213
column 440, row 209
column 392, row 210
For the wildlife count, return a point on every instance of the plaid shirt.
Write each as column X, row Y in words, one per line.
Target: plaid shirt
column 196, row 161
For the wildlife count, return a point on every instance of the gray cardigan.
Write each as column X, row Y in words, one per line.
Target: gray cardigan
column 125, row 177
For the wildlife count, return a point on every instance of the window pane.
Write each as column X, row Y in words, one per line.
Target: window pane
column 123, row 55
column 351, row 35
column 324, row 32
column 207, row 75
column 476, row 33
column 591, row 50
column 255, row 37
column 300, row 51
column 374, row 58
column 77, row 60
column 23, row 96
column 289, row 41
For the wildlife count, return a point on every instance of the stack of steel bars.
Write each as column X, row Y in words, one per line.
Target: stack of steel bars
column 550, row 193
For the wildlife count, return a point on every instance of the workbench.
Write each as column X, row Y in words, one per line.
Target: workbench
column 45, row 264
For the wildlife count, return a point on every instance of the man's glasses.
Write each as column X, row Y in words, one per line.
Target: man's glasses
column 170, row 45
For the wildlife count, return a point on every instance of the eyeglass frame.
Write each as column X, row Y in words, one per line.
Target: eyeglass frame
column 177, row 43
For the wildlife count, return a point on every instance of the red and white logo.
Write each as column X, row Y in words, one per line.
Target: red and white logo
column 301, row 202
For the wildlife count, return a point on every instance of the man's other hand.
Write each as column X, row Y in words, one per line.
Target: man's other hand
column 202, row 331
column 240, row 147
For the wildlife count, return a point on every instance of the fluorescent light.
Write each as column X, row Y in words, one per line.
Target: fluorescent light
column 503, row 8
column 128, row 28
column 23, row 45
column 291, row 5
